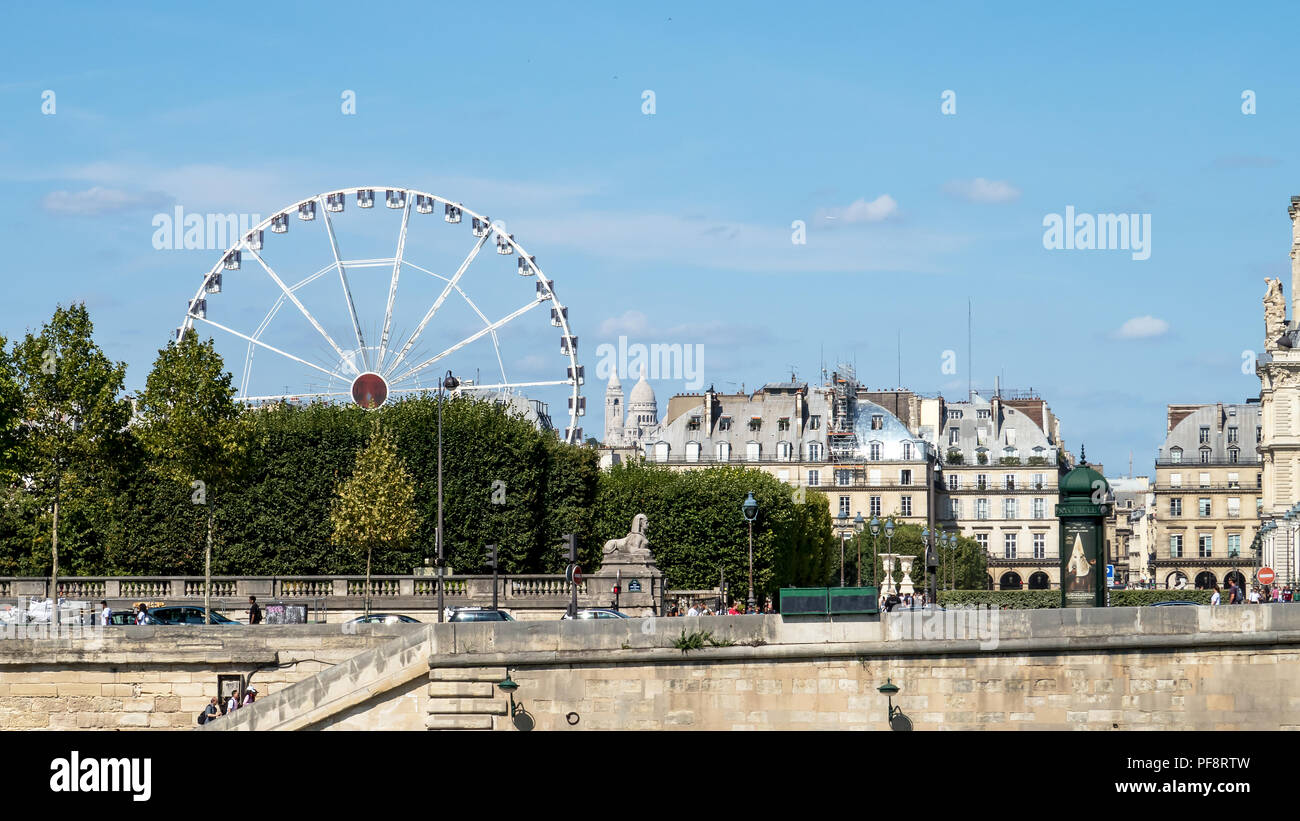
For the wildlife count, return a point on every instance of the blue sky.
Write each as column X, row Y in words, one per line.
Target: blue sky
column 675, row 227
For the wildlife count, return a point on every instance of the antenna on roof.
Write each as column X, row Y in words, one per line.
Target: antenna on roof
column 970, row 354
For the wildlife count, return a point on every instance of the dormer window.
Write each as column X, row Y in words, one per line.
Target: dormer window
column 755, row 423
column 724, row 423
column 1175, row 455
column 877, row 421
column 814, row 422
column 693, row 423
column 783, row 423
column 983, row 413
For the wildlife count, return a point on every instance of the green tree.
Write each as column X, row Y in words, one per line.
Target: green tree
column 192, row 431
column 375, row 505
column 73, row 422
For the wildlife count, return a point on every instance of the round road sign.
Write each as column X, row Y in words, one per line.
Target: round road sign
column 1266, row 575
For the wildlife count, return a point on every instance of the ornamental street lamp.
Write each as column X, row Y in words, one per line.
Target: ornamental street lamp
column 875, row 547
column 449, row 383
column 889, row 540
column 858, row 523
column 843, row 520
column 750, row 511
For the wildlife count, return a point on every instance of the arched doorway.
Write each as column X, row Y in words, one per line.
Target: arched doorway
column 1011, row 581
column 1039, row 581
column 1176, row 580
column 1235, row 575
column 1206, row 580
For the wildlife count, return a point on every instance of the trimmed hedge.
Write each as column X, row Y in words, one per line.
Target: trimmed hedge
column 1036, row 599
column 1141, row 598
column 1011, row 599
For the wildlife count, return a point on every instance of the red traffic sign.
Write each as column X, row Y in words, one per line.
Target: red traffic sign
column 1266, row 575
column 573, row 573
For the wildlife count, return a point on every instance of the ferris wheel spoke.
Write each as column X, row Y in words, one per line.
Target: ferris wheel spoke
column 467, row 340
column 509, row 385
column 297, row 395
column 392, row 287
column 289, row 293
column 343, row 278
column 262, row 344
column 442, row 297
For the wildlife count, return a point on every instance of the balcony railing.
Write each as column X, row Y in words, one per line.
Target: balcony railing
column 1193, row 459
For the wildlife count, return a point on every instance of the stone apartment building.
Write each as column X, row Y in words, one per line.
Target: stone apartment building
column 1208, row 491
column 986, row 468
column 1129, row 529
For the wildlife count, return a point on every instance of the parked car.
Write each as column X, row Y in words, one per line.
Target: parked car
column 598, row 613
column 185, row 614
column 465, row 614
column 384, row 618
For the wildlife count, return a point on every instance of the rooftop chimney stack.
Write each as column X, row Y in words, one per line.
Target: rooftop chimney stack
column 1294, row 212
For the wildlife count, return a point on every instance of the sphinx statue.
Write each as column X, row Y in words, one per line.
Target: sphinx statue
column 634, row 548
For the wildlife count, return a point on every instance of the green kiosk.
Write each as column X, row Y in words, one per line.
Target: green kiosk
column 1084, row 504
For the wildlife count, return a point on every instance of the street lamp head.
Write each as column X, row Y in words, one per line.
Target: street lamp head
column 750, row 507
column 889, row 529
column 451, row 383
column 858, row 522
column 889, row 688
column 875, row 526
column 508, row 685
column 925, row 534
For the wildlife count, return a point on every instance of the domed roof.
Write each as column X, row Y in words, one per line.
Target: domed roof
column 642, row 393
column 1080, row 481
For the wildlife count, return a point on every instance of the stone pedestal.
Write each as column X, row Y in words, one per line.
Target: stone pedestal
column 905, row 586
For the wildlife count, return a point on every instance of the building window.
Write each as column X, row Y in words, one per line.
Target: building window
column 724, row 423
column 724, row 451
column 783, row 423
column 845, row 505
column 982, row 539
column 753, row 451
column 1038, row 481
column 1176, row 546
column 1176, row 455
column 1259, row 480
column 1175, row 480
column 873, row 476
column 984, row 413
column 1205, row 544
column 693, row 423
column 1233, row 453
column 1234, row 480
column 1234, row 507
column 783, row 450
column 981, row 508
column 905, row 477
column 954, row 481
column 692, row 451
column 1040, row 545
column 873, row 504
column 1009, row 508
column 1040, row 507
column 1205, row 434
column 1009, row 481
column 1205, row 456
column 874, row 451
column 1008, row 545
column 1259, row 434
column 661, row 451
column 981, row 480
column 755, row 424
column 877, row 421
column 954, row 436
column 814, row 422
column 1205, row 480
column 954, row 414
column 905, row 504
column 1175, row 507
column 814, row 452
column 954, row 508
column 814, row 478
column 1234, row 545
column 907, row 451
column 1232, row 435
column 1203, row 508
column 843, row 477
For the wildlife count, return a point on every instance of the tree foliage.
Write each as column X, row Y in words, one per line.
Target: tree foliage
column 375, row 506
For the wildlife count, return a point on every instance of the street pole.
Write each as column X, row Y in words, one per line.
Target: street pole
column 842, row 535
column 54, row 571
column 438, row 532
column 207, row 572
column 752, row 602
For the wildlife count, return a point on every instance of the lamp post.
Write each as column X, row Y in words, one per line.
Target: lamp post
column 843, row 520
column 750, row 511
column 858, row 524
column 875, row 549
column 449, row 383
column 889, row 540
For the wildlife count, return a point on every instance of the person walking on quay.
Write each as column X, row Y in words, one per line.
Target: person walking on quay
column 233, row 703
column 105, row 615
column 210, row 712
column 250, row 695
column 254, row 612
column 141, row 616
column 1254, row 595
column 1233, row 593
column 1215, row 598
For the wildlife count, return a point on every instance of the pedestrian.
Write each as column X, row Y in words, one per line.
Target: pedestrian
column 254, row 612
column 1254, row 595
column 734, row 609
column 1214, row 598
column 210, row 712
column 1232, row 592
column 694, row 611
column 769, row 609
column 892, row 602
column 141, row 616
column 1287, row 593
column 233, row 703
column 105, row 615
column 250, row 695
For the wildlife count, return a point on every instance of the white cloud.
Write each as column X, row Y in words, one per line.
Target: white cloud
column 98, row 200
column 881, row 208
column 1142, row 327
column 982, row 190
column 631, row 322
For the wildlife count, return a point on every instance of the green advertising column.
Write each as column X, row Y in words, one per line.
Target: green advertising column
column 1082, row 511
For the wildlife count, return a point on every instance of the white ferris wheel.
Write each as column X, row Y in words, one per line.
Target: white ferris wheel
column 378, row 302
